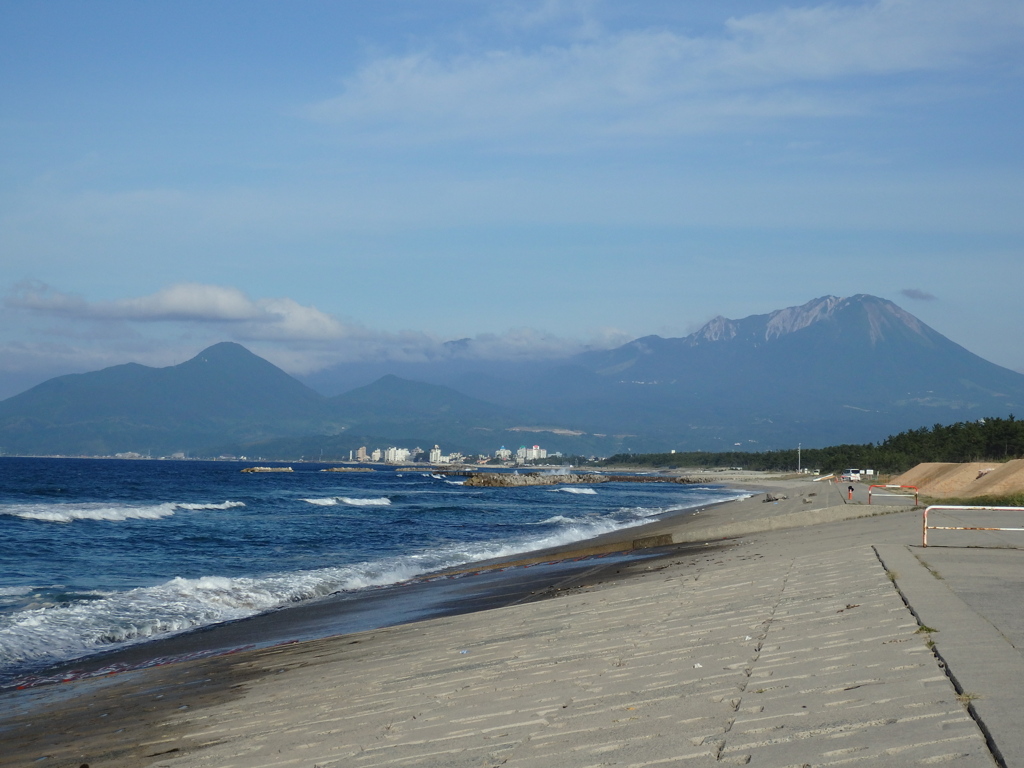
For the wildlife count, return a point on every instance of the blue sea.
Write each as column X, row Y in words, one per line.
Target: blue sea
column 98, row 554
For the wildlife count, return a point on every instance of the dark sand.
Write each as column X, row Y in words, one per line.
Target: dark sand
column 56, row 724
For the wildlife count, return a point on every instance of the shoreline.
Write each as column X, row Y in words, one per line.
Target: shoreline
column 174, row 684
column 425, row 596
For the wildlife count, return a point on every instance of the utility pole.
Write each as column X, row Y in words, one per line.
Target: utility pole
column 798, row 468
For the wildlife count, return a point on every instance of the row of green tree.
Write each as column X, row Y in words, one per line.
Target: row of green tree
column 989, row 439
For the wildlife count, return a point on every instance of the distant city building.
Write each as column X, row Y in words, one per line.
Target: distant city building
column 531, row 454
column 435, row 455
column 361, row 454
column 375, row 456
column 503, row 454
column 396, row 455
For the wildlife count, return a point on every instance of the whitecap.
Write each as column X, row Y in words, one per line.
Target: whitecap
column 15, row 591
column 333, row 501
column 52, row 632
column 556, row 519
column 42, row 634
column 582, row 491
column 330, row 501
column 67, row 513
column 222, row 505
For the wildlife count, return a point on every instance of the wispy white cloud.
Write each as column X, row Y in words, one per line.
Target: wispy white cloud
column 190, row 303
column 578, row 18
column 662, row 82
column 530, row 343
column 83, row 335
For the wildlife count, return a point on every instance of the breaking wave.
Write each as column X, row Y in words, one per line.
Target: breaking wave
column 114, row 513
column 333, row 501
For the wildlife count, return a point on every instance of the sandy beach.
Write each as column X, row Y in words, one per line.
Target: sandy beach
column 760, row 632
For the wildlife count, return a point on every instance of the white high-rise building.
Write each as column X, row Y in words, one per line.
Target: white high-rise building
column 396, row 455
column 530, row 454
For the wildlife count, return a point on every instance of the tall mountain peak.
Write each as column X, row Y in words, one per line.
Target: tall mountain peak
column 791, row 319
column 874, row 315
column 225, row 352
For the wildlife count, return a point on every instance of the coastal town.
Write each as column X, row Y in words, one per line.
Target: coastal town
column 503, row 456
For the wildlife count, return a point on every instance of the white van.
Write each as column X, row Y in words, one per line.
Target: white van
column 850, row 474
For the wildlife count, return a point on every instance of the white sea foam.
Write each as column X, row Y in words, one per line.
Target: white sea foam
column 582, row 491
column 54, row 632
column 57, row 632
column 67, row 513
column 332, row 501
column 15, row 591
column 223, row 505
column 556, row 519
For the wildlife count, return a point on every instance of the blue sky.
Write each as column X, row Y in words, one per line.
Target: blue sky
column 332, row 181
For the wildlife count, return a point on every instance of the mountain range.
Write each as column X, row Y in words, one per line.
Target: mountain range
column 834, row 370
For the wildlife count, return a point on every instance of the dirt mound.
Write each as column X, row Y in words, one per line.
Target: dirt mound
column 940, row 480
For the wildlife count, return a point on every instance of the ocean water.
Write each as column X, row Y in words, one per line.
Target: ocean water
column 97, row 554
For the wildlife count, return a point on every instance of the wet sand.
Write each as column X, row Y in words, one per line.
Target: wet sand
column 134, row 717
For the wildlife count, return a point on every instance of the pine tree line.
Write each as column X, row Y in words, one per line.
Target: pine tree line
column 989, row 439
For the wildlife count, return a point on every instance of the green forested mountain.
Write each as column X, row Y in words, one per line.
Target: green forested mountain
column 228, row 400
column 223, row 393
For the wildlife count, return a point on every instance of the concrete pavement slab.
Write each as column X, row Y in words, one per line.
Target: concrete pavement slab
column 972, row 599
column 787, row 649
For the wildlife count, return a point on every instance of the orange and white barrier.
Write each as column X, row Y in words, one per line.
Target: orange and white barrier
column 926, row 527
column 901, row 495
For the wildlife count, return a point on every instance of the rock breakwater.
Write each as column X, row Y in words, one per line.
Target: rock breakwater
column 510, row 480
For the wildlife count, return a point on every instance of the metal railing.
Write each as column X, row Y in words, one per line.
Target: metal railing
column 901, row 495
column 926, row 527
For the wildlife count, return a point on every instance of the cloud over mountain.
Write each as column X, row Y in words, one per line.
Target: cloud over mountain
column 184, row 302
column 162, row 327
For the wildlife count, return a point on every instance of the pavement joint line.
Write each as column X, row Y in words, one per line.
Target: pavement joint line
column 933, row 604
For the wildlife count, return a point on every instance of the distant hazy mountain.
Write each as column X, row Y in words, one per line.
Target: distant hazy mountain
column 834, row 370
column 830, row 371
column 224, row 393
column 226, row 399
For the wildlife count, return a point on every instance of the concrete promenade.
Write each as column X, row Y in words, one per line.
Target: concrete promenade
column 835, row 643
